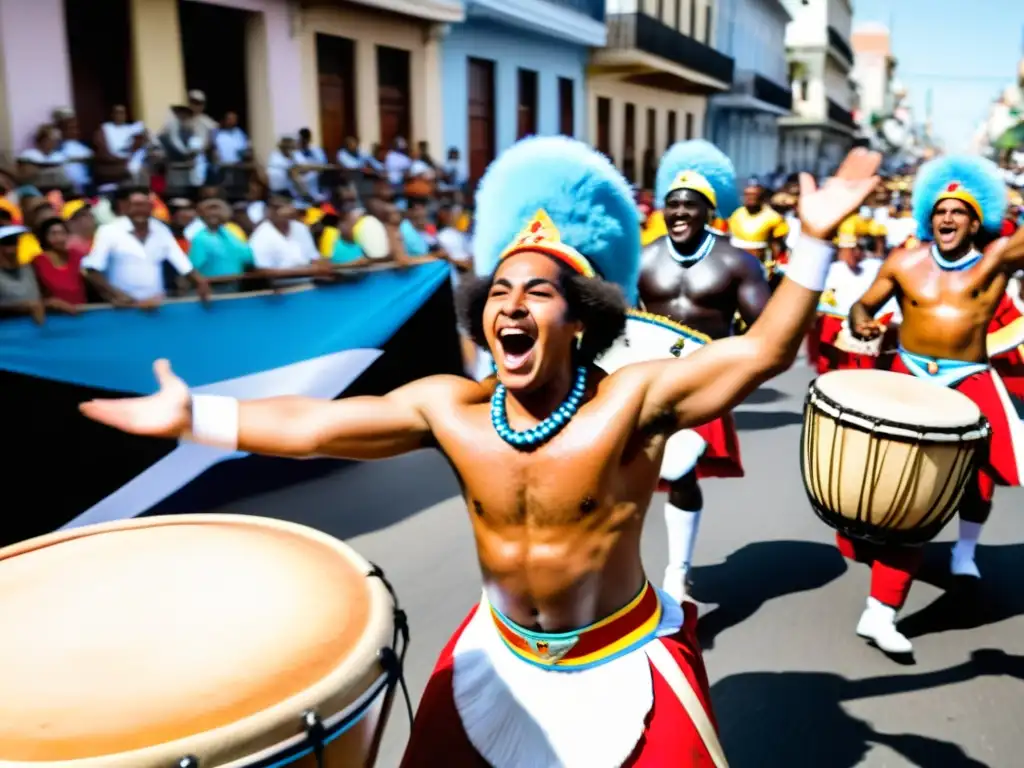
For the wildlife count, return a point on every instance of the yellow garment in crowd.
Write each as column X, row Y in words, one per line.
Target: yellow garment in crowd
column 653, row 228
column 328, row 238
column 28, row 248
column 755, row 230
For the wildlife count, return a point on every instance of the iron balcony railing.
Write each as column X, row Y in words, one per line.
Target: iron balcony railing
column 641, row 32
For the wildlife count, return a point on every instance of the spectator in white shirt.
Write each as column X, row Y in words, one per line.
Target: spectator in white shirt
column 397, row 162
column 453, row 173
column 126, row 263
column 77, row 156
column 120, row 147
column 282, row 246
column 315, row 160
column 43, row 163
column 285, row 170
column 350, row 156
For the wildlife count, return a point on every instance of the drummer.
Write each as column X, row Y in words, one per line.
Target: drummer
column 948, row 291
column 558, row 464
column 696, row 278
column 853, row 271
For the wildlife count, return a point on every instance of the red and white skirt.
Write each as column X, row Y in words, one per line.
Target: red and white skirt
column 490, row 703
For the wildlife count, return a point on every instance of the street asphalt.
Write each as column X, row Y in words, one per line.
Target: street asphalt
column 791, row 683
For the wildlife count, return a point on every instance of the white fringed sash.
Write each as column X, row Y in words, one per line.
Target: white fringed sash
column 517, row 714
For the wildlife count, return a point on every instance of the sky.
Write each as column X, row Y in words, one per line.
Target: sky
column 964, row 54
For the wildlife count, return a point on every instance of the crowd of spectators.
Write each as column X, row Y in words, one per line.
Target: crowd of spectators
column 132, row 221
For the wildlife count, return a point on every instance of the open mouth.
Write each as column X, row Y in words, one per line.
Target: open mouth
column 517, row 347
column 947, row 235
column 680, row 229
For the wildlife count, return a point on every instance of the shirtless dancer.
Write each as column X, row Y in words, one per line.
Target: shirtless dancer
column 558, row 463
column 698, row 279
column 948, row 292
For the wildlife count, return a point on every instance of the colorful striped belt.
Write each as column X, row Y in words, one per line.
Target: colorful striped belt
column 625, row 630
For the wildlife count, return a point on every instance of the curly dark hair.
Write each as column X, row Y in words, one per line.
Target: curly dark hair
column 598, row 304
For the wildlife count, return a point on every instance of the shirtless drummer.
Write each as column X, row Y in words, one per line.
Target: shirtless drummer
column 948, row 291
column 558, row 463
column 699, row 279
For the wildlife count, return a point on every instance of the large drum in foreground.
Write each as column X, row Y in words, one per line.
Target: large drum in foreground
column 209, row 641
column 886, row 457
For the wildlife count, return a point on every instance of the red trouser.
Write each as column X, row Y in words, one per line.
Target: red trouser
column 892, row 568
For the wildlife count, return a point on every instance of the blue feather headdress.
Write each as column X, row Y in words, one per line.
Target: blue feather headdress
column 707, row 160
column 586, row 198
column 974, row 180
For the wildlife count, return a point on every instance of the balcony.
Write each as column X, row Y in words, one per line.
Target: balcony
column 837, row 43
column 838, row 114
column 652, row 53
column 593, row 9
column 575, row 21
column 753, row 91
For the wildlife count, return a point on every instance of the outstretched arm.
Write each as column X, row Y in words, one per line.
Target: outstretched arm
column 862, row 314
column 298, row 427
column 710, row 382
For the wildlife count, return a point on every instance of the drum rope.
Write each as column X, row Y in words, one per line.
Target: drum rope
column 394, row 657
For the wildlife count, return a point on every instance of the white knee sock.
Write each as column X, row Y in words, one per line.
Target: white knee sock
column 968, row 540
column 682, row 527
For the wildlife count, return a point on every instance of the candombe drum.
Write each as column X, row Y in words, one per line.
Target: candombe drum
column 886, row 457
column 194, row 641
column 650, row 337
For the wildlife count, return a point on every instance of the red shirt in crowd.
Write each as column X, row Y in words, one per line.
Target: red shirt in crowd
column 1009, row 227
column 62, row 282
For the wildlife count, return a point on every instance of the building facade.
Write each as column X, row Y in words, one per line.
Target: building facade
column 516, row 69
column 370, row 69
column 822, row 129
column 649, row 87
column 744, row 121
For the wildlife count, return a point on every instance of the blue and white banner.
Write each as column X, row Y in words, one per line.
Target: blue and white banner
column 312, row 341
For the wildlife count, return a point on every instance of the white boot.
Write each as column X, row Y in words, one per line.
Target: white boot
column 677, row 583
column 962, row 559
column 878, row 624
column 681, row 531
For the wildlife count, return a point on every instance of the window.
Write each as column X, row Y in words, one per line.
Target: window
column 650, row 165
column 604, row 126
column 566, row 107
column 707, row 24
column 693, row 19
column 527, row 113
column 629, row 144
column 689, row 125
column 671, row 138
column 679, row 15
column 661, row 11
column 393, row 93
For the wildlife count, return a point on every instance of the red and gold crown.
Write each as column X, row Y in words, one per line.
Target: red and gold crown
column 957, row 191
column 541, row 235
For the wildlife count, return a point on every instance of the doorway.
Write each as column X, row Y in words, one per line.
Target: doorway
column 214, row 49
column 393, row 94
column 336, row 77
column 99, row 46
column 481, row 117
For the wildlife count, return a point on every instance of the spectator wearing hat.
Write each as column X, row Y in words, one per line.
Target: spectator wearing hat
column 58, row 269
column 43, row 163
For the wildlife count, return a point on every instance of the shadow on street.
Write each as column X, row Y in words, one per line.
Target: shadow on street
column 748, row 421
column 966, row 605
column 757, row 573
column 786, row 719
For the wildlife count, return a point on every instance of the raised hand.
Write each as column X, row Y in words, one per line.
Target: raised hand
column 168, row 413
column 822, row 210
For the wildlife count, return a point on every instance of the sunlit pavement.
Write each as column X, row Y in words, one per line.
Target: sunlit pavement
column 792, row 685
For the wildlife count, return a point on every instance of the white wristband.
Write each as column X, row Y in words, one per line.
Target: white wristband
column 809, row 263
column 214, row 421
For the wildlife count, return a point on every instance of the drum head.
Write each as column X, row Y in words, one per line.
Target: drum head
column 650, row 337
column 897, row 398
column 138, row 642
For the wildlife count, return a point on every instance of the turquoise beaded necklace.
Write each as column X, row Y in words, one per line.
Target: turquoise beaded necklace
column 702, row 250
column 531, row 438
